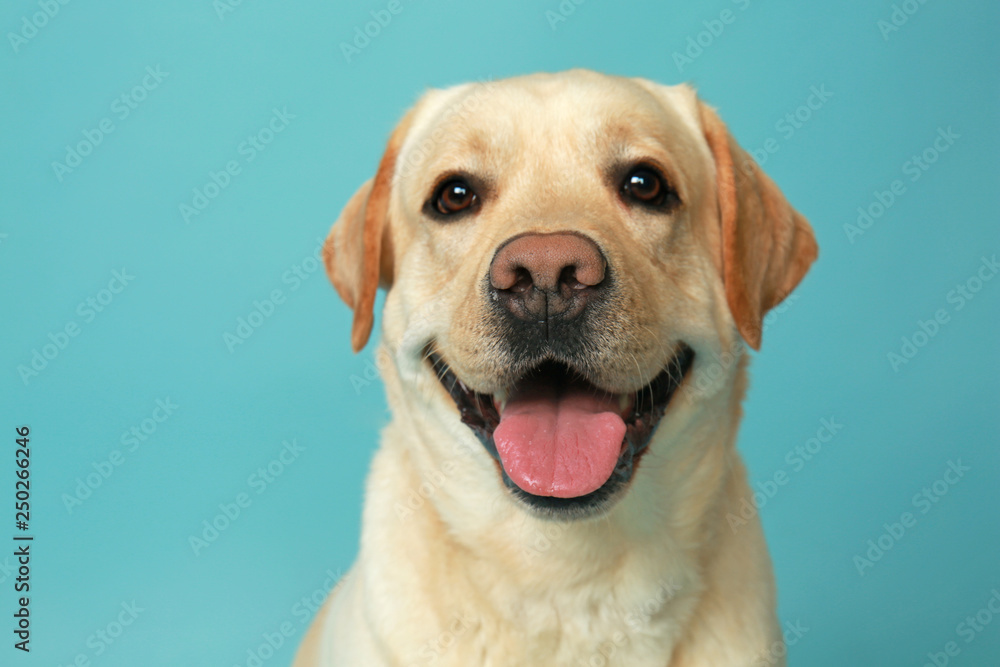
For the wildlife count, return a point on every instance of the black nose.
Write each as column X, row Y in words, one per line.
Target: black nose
column 541, row 277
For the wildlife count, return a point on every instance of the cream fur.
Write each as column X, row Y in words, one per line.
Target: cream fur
column 469, row 577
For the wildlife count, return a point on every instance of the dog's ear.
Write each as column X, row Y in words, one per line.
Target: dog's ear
column 767, row 246
column 358, row 251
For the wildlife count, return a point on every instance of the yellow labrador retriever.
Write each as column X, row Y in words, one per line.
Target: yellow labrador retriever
column 574, row 264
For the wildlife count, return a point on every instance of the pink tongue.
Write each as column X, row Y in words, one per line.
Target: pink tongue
column 559, row 445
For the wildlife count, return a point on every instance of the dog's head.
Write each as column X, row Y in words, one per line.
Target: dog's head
column 564, row 254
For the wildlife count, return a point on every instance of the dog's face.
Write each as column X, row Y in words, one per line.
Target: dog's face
column 561, row 252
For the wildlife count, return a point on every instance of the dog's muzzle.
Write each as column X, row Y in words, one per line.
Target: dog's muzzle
column 565, row 447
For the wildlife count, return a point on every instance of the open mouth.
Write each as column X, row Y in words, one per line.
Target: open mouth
column 564, row 446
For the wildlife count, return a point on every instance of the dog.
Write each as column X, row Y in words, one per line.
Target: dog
column 574, row 265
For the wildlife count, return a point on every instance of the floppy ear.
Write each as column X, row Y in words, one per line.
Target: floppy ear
column 767, row 246
column 358, row 251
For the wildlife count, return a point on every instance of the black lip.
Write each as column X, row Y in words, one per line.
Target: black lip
column 478, row 412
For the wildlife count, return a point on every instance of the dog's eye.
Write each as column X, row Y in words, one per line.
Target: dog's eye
column 644, row 185
column 454, row 196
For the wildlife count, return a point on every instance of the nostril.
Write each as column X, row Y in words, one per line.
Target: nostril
column 522, row 280
column 568, row 278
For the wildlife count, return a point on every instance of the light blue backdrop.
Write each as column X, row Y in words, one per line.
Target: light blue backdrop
column 199, row 81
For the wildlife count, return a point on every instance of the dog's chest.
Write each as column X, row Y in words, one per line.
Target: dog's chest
column 562, row 632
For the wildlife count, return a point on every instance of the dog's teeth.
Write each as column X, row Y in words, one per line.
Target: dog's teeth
column 623, row 400
column 500, row 400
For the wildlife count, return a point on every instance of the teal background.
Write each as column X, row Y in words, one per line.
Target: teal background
column 824, row 356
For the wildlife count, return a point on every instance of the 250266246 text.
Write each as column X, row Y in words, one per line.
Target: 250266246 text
column 22, row 542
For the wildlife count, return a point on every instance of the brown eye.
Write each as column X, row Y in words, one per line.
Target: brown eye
column 645, row 186
column 454, row 196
